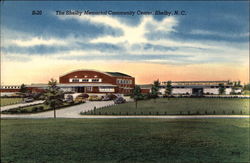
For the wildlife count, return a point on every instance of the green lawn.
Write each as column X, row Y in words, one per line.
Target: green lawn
column 246, row 92
column 170, row 106
column 10, row 101
column 124, row 140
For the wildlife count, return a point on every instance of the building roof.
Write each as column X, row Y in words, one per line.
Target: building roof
column 222, row 81
column 118, row 74
column 74, row 85
column 145, row 86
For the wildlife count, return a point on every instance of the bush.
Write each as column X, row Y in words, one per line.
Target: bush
column 40, row 108
column 34, row 109
column 24, row 111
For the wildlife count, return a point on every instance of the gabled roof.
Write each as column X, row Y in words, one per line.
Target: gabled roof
column 118, row 74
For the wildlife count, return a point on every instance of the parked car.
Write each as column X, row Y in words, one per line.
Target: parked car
column 106, row 98
column 109, row 97
column 119, row 100
column 95, row 98
column 68, row 99
column 80, row 99
column 29, row 99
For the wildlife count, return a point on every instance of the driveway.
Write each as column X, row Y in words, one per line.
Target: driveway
column 21, row 105
column 68, row 112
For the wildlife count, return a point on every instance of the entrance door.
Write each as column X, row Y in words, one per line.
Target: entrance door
column 80, row 89
column 197, row 91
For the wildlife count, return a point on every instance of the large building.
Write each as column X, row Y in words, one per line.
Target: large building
column 91, row 81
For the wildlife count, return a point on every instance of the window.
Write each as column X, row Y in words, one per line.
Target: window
column 106, row 89
column 118, row 81
column 89, row 89
column 95, row 80
column 75, row 80
column 85, row 80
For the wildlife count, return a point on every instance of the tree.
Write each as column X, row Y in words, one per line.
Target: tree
column 247, row 87
column 23, row 89
column 53, row 96
column 239, row 84
column 155, row 89
column 168, row 90
column 221, row 89
column 137, row 95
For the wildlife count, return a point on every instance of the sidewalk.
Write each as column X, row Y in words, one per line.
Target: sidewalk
column 20, row 105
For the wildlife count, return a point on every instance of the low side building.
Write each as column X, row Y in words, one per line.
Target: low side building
column 198, row 87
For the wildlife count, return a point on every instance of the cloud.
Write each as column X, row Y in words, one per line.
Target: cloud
column 221, row 34
column 38, row 41
column 130, row 33
column 131, row 43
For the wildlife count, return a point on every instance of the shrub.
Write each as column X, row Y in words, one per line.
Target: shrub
column 24, row 111
column 40, row 108
column 34, row 109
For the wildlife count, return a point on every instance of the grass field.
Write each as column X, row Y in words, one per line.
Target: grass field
column 125, row 140
column 246, row 92
column 164, row 106
column 10, row 101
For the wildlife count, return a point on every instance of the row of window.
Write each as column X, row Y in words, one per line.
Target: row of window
column 106, row 89
column 209, row 87
column 10, row 87
column 123, row 81
column 164, row 83
column 85, row 80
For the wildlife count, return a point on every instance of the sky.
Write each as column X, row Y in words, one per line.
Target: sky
column 210, row 41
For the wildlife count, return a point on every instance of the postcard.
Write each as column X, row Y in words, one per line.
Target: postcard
column 124, row 81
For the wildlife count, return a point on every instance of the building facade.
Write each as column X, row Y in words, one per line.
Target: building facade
column 198, row 88
column 91, row 81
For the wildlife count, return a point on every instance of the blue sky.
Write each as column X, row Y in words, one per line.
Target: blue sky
column 211, row 33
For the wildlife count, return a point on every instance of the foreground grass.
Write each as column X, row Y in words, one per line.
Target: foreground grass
column 164, row 106
column 125, row 140
column 10, row 101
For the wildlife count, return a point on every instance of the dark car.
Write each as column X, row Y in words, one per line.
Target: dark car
column 119, row 100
